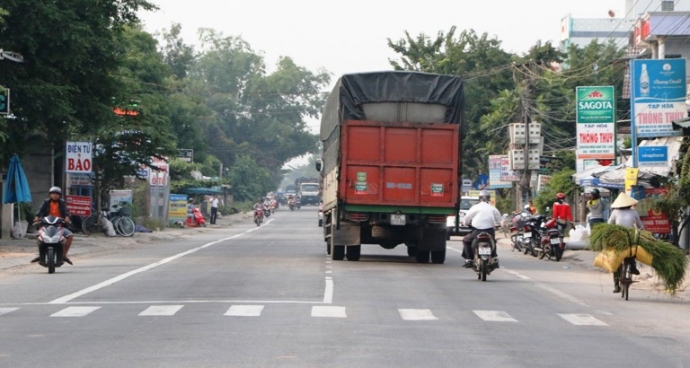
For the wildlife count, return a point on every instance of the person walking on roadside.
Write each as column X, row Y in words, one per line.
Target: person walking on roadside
column 214, row 209
column 624, row 215
column 56, row 206
column 596, row 209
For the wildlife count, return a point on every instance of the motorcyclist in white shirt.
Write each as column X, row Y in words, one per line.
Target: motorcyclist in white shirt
column 482, row 217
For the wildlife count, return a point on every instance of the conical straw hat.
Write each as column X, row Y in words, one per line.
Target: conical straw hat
column 624, row 200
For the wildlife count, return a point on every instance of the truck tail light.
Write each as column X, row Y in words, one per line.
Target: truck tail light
column 357, row 216
column 440, row 219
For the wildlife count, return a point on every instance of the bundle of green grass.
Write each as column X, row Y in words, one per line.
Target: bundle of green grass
column 668, row 261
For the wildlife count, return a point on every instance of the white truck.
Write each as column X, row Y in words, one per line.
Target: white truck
column 309, row 193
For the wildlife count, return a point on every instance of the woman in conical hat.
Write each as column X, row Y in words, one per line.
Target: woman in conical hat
column 624, row 215
column 623, row 201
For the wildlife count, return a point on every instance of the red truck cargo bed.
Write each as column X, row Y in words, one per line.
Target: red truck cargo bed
column 402, row 164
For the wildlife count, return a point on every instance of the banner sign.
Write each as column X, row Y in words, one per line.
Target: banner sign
column 495, row 169
column 185, row 154
column 158, row 178
column 652, row 156
column 596, row 122
column 120, row 198
column 659, row 91
column 177, row 208
column 542, row 181
column 74, row 180
column 506, row 173
column 78, row 205
column 630, row 179
column 654, row 221
column 78, row 157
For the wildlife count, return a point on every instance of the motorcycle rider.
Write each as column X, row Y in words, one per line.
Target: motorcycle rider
column 596, row 208
column 482, row 217
column 56, row 206
column 258, row 207
column 562, row 213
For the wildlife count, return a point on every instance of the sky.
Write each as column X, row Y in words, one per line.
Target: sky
column 351, row 36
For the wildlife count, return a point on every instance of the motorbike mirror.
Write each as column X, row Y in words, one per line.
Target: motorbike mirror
column 319, row 164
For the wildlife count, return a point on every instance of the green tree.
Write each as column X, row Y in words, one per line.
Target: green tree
column 66, row 84
column 249, row 181
column 561, row 182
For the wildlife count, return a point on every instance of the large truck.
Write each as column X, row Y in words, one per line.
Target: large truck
column 391, row 162
column 309, row 190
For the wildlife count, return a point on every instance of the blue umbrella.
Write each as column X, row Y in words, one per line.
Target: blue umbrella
column 16, row 187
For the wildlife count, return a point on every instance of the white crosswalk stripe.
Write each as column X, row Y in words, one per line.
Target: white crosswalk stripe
column 328, row 311
column 245, row 310
column 7, row 310
column 75, row 312
column 494, row 316
column 417, row 315
column 161, row 310
column 582, row 320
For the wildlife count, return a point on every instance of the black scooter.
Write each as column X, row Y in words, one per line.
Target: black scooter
column 51, row 242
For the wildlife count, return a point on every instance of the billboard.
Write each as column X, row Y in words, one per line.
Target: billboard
column 596, row 122
column 658, row 91
column 495, row 170
column 78, row 157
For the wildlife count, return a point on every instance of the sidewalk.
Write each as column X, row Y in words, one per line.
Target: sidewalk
column 18, row 252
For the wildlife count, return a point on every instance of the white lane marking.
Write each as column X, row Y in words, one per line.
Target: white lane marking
column 74, row 312
column 115, row 279
column 328, row 311
column 244, row 310
column 328, row 293
column 556, row 292
column 7, row 310
column 494, row 316
column 417, row 315
column 517, row 274
column 582, row 320
column 329, row 272
column 161, row 310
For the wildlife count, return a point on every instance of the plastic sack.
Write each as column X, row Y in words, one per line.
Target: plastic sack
column 579, row 233
column 108, row 227
column 18, row 230
column 609, row 259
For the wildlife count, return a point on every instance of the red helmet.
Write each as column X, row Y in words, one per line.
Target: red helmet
column 560, row 196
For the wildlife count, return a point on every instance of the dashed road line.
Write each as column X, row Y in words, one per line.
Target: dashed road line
column 244, row 310
column 161, row 310
column 417, row 315
column 582, row 320
column 75, row 312
column 494, row 316
column 328, row 311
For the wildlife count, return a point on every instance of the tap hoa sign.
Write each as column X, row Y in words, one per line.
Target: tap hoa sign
column 78, row 157
column 596, row 122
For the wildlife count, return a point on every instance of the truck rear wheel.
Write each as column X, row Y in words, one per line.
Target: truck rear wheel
column 422, row 256
column 411, row 250
column 354, row 252
column 338, row 252
column 438, row 257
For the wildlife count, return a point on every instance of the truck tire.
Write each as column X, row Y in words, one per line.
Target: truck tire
column 354, row 252
column 438, row 257
column 338, row 252
column 422, row 256
column 328, row 249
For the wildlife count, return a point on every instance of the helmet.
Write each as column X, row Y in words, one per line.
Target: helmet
column 560, row 196
column 484, row 194
column 55, row 190
column 595, row 193
column 527, row 207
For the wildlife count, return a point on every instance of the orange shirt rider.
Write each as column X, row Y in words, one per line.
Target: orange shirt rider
column 53, row 206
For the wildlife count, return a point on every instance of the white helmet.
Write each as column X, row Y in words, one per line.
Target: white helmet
column 55, row 190
column 484, row 195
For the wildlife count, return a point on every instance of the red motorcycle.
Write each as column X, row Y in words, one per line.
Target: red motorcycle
column 552, row 243
column 198, row 219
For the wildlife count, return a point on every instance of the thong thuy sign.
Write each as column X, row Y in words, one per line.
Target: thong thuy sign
column 659, row 90
column 78, row 157
column 596, row 122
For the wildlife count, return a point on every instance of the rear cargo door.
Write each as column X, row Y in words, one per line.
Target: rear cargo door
column 408, row 164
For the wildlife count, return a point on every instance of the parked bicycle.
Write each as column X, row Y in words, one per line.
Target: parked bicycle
column 121, row 220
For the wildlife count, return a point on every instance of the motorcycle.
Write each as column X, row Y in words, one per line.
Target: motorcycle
column 517, row 231
column 51, row 242
column 298, row 203
column 552, row 243
column 267, row 209
column 198, row 219
column 484, row 263
column 533, row 235
column 291, row 204
column 258, row 216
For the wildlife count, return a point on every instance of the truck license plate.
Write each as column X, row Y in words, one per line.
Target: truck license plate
column 398, row 220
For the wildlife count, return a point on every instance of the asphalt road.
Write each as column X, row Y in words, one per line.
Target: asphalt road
column 269, row 296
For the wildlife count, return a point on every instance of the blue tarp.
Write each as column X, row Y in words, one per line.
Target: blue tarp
column 16, row 186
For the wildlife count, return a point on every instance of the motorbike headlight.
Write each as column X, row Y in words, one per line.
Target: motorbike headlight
column 52, row 239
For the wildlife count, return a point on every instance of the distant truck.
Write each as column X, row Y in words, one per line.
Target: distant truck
column 309, row 193
column 391, row 162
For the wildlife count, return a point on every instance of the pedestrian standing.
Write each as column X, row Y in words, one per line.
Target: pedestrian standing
column 596, row 209
column 214, row 209
column 190, row 211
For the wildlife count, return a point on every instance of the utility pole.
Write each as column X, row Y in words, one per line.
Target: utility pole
column 525, row 192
